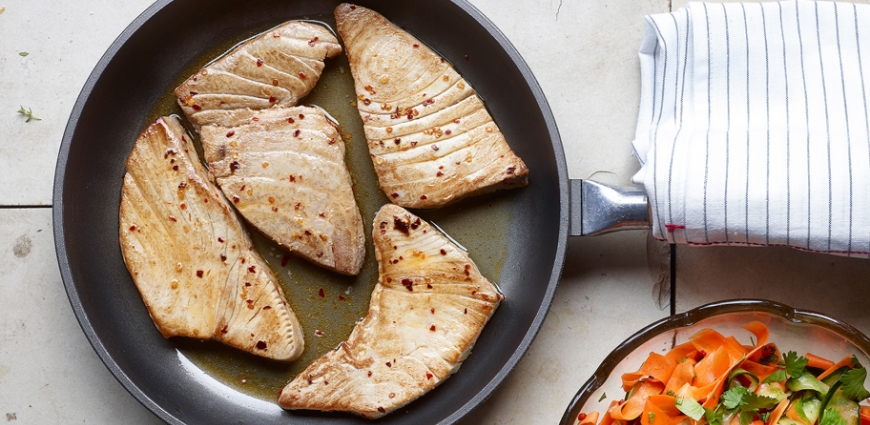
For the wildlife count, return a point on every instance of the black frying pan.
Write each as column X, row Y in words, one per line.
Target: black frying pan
column 524, row 251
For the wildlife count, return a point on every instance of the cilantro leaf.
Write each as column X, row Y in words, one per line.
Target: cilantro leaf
column 22, row 54
column 690, row 407
column 754, row 402
column 603, row 396
column 747, row 417
column 856, row 364
column 777, row 376
column 733, row 398
column 853, row 384
column 714, row 416
column 652, row 417
column 794, row 364
column 831, row 416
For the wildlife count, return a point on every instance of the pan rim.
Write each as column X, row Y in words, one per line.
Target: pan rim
column 66, row 271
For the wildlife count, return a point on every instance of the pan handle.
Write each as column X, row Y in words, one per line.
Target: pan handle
column 597, row 208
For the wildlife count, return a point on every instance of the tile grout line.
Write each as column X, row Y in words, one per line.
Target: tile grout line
column 673, row 279
column 22, row 207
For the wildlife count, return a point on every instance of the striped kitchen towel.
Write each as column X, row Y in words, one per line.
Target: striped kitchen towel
column 754, row 126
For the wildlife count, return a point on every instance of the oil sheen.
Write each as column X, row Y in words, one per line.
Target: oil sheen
column 327, row 304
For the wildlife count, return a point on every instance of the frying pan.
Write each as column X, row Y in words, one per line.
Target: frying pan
column 119, row 98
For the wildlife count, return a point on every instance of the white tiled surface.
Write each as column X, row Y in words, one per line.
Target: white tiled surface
column 583, row 54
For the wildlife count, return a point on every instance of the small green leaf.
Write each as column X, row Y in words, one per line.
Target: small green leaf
column 690, row 407
column 794, row 364
column 27, row 113
column 714, row 416
column 832, row 416
column 652, row 417
column 603, row 396
column 777, row 376
column 753, row 402
column 733, row 398
column 23, row 54
column 853, row 384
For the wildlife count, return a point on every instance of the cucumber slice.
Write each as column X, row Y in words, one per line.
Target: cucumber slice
column 809, row 406
column 848, row 409
column 806, row 381
column 788, row 421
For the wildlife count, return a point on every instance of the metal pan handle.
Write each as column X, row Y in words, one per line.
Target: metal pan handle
column 597, row 208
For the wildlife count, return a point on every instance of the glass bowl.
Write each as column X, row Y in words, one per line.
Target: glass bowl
column 790, row 329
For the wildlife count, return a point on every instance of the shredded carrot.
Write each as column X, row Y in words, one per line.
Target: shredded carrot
column 606, row 419
column 759, row 370
column 590, row 419
column 865, row 415
column 818, row 362
column 793, row 414
column 661, row 410
column 659, row 367
column 633, row 407
column 776, row 414
column 712, row 367
column 846, row 361
column 681, row 352
column 683, row 374
column 707, row 340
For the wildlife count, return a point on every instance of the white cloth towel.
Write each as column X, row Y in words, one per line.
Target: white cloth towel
column 754, row 126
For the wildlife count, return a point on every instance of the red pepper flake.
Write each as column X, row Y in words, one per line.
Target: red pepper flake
column 284, row 260
column 297, row 206
column 322, row 295
column 398, row 140
column 182, row 185
column 439, row 174
column 370, row 374
column 380, row 409
column 169, row 152
column 132, row 228
column 318, row 332
column 272, row 99
column 413, row 144
column 432, row 310
column 432, row 328
column 259, row 62
column 394, row 195
column 368, row 102
column 235, row 199
column 473, row 292
column 302, row 75
column 252, row 269
column 428, row 375
column 389, row 364
column 423, row 197
column 274, row 82
column 247, row 283
column 255, row 119
column 415, row 224
column 456, row 121
column 275, row 34
column 428, row 102
column 341, row 298
column 230, row 133
column 293, row 180
column 243, row 260
column 223, row 257
column 296, row 133
column 243, row 187
column 400, row 225
column 702, row 354
column 172, row 219
column 301, row 116
column 352, row 7
column 408, row 284
column 197, row 108
column 416, row 45
column 332, row 141
column 443, row 252
column 235, row 166
column 467, row 268
column 220, row 239
column 389, row 279
column 447, row 132
column 465, row 312
column 311, row 42
column 510, row 170
column 582, row 416
column 199, row 273
column 175, row 168
column 291, row 120
column 435, row 147
column 261, row 345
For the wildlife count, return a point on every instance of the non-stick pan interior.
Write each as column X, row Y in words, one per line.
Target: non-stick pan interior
column 113, row 109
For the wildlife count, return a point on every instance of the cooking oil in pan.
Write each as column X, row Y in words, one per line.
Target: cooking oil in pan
column 328, row 304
